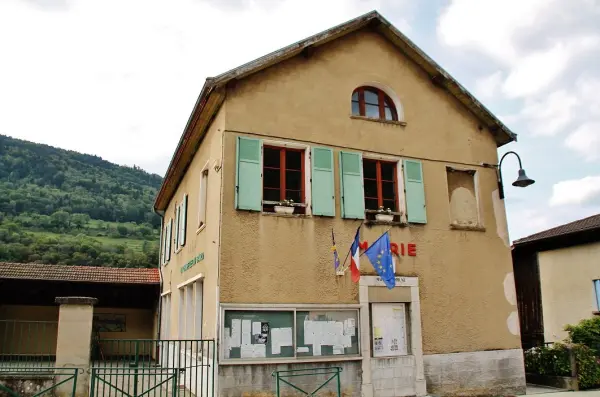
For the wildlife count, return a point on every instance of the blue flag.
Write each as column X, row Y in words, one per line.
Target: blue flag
column 380, row 255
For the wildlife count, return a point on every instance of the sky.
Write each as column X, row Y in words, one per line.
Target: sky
column 119, row 78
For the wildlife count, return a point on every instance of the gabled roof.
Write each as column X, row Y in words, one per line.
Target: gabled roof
column 87, row 274
column 588, row 224
column 213, row 92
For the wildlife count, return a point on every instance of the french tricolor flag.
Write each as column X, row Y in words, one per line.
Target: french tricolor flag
column 355, row 258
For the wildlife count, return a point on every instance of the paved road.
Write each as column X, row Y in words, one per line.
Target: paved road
column 549, row 392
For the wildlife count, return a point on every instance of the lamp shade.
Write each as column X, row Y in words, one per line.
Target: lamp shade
column 523, row 180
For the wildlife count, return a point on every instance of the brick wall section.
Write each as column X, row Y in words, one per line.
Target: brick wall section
column 483, row 373
column 256, row 380
column 393, row 377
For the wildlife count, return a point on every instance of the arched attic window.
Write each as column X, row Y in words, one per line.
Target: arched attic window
column 373, row 103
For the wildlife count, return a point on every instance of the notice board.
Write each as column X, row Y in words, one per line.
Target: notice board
column 388, row 331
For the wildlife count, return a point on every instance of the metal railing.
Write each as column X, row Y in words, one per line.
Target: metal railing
column 325, row 373
column 27, row 344
column 150, row 367
column 65, row 378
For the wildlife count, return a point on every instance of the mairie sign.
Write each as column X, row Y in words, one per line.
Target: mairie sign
column 191, row 263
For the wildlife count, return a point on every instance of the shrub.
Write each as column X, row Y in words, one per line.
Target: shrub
column 555, row 361
column 587, row 333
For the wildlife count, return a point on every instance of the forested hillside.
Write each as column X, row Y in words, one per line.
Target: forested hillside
column 59, row 206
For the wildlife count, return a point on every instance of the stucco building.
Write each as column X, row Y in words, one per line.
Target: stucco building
column 342, row 123
column 557, row 275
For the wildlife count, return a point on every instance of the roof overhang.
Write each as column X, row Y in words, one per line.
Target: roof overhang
column 213, row 93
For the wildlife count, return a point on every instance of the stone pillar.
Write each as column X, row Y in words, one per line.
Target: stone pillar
column 73, row 344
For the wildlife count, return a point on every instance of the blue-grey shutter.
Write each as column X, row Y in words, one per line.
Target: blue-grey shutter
column 323, row 190
column 351, row 186
column 415, row 192
column 248, row 181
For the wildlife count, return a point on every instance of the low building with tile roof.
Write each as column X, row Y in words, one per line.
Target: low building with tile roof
column 557, row 277
column 126, row 306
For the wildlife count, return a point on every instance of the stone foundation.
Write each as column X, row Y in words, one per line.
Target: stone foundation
column 393, row 377
column 483, row 373
column 256, row 380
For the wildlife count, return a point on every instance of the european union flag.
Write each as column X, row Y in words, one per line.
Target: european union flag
column 380, row 255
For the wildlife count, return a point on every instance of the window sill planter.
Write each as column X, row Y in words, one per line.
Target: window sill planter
column 282, row 209
column 384, row 217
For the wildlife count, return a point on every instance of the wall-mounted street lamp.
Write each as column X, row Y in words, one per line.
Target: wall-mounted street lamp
column 522, row 180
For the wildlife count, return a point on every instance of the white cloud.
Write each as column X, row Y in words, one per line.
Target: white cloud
column 119, row 78
column 550, row 114
column 575, row 191
column 489, row 26
column 535, row 71
column 487, row 86
column 585, row 140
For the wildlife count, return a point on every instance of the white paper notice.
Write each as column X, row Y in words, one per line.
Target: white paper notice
column 316, row 350
column 246, row 330
column 260, row 350
column 286, row 336
column 256, row 328
column 275, row 340
column 303, row 349
column 275, row 348
column 349, row 327
column 338, row 349
column 347, row 341
column 236, row 331
column 246, row 351
column 253, row 351
column 308, row 332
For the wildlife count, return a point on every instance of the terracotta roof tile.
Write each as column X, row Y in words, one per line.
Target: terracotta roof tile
column 589, row 223
column 88, row 274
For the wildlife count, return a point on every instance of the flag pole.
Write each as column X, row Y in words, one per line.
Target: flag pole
column 344, row 268
column 377, row 240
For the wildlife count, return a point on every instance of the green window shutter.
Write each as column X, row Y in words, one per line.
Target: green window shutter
column 351, row 186
column 415, row 192
column 163, row 232
column 248, row 181
column 169, row 237
column 183, row 220
column 177, row 218
column 323, row 195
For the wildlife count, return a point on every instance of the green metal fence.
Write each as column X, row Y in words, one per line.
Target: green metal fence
column 288, row 376
column 150, row 367
column 27, row 344
column 65, row 378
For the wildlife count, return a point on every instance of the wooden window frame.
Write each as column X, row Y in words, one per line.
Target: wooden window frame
column 380, row 181
column 382, row 100
column 282, row 171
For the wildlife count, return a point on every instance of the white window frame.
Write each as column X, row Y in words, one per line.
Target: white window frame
column 293, row 309
column 203, row 198
column 176, row 234
column 165, row 332
column 307, row 170
column 596, row 289
column 399, row 179
column 166, row 245
column 190, row 316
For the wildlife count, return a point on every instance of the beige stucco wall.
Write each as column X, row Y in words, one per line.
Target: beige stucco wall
column 566, row 277
column 35, row 336
column 198, row 241
column 138, row 323
column 268, row 259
